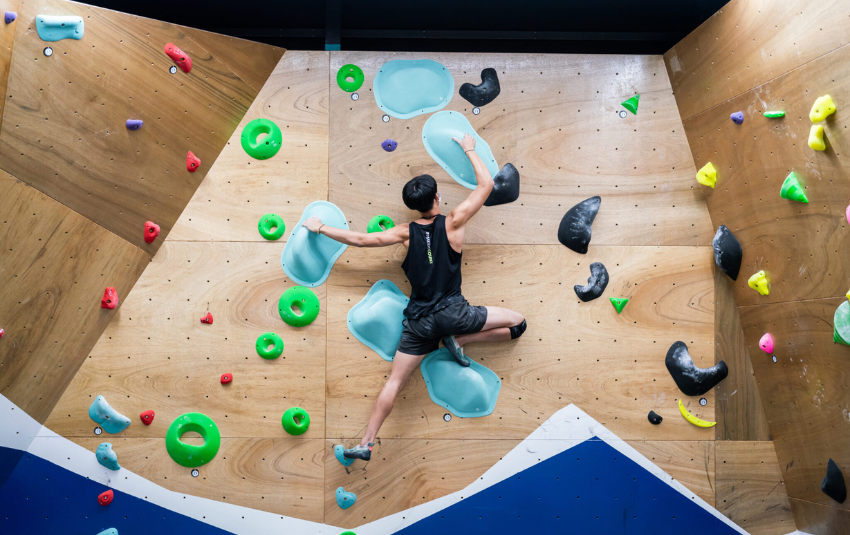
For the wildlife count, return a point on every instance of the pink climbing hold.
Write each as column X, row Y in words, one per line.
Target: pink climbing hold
column 180, row 58
column 2, row 332
column 766, row 343
column 847, row 213
column 147, row 417
column 226, row 378
column 110, row 298
column 151, row 231
column 192, row 162
column 105, row 498
column 208, row 319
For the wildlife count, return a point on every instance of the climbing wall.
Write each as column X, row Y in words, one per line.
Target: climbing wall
column 753, row 57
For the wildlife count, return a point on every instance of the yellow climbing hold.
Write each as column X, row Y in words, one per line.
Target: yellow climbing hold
column 760, row 283
column 822, row 108
column 707, row 176
column 848, row 294
column 693, row 419
column 816, row 137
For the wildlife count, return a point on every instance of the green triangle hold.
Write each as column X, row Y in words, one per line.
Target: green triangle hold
column 619, row 303
column 631, row 104
column 841, row 324
column 792, row 190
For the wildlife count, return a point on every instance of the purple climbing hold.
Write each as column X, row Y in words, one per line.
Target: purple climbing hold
column 389, row 145
column 134, row 124
column 737, row 117
column 10, row 17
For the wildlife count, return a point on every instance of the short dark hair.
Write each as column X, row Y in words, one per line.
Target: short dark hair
column 419, row 192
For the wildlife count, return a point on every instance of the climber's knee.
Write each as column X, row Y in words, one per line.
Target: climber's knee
column 517, row 330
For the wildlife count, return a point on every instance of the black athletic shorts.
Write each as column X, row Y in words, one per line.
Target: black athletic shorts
column 423, row 335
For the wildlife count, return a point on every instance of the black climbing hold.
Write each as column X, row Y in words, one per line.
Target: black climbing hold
column 692, row 381
column 833, row 484
column 727, row 252
column 596, row 283
column 483, row 93
column 654, row 419
column 505, row 186
column 574, row 231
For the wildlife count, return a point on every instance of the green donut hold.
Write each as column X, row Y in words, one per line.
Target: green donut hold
column 295, row 427
column 379, row 221
column 266, row 147
column 350, row 71
column 190, row 455
column 263, row 343
column 304, row 300
column 269, row 222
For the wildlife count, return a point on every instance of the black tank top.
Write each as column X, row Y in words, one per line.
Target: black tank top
column 433, row 269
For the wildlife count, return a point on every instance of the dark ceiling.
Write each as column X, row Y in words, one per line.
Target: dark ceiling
column 553, row 26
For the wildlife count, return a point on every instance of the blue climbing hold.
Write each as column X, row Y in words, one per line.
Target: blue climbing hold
column 56, row 28
column 389, row 145
column 308, row 257
column 406, row 88
column 106, row 417
column 10, row 17
column 465, row 392
column 107, row 457
column 340, row 456
column 110, row 531
column 376, row 319
column 437, row 136
column 737, row 117
column 345, row 499
column 134, row 124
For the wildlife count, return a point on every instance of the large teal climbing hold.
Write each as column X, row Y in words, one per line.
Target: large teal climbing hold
column 261, row 139
column 841, row 324
column 437, row 136
column 106, row 417
column 110, row 531
column 56, row 28
column 191, row 455
column 465, row 392
column 345, row 499
column 632, row 104
column 298, row 306
column 339, row 450
column 295, row 421
column 792, row 190
column 308, row 257
column 107, row 457
column 406, row 88
column 376, row 320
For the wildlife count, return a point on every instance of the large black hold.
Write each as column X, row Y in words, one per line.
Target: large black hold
column 727, row 252
column 575, row 227
column 692, row 381
column 483, row 93
column 505, row 186
column 596, row 283
column 833, row 484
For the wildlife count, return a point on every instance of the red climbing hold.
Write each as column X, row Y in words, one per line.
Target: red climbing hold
column 151, row 231
column 180, row 58
column 226, row 378
column 192, row 162
column 110, row 298
column 208, row 319
column 105, row 498
column 147, row 417
column 2, row 332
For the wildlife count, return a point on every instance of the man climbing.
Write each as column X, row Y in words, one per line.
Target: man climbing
column 437, row 310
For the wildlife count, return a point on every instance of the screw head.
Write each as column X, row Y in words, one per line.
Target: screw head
column 48, row 51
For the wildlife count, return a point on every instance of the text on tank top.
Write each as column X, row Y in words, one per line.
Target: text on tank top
column 432, row 268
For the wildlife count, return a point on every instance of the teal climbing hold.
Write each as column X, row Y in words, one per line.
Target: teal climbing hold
column 338, row 453
column 632, row 104
column 110, row 531
column 295, row 421
column 437, row 137
column 107, row 457
column 261, row 139
column 106, row 417
column 269, row 346
column 841, row 324
column 379, row 223
column 465, row 392
column 376, row 319
column 792, row 190
column 308, row 257
column 406, row 88
column 56, row 28
column 345, row 499
column 619, row 303
column 298, row 306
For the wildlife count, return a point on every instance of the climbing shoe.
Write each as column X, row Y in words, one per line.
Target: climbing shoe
column 364, row 453
column 450, row 343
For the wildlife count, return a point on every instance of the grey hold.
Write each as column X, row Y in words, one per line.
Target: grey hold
column 483, row 93
column 692, row 381
column 505, row 186
column 575, row 228
column 833, row 484
column 727, row 252
column 596, row 283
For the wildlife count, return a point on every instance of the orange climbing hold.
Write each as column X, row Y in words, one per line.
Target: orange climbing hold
column 105, row 498
column 192, row 162
column 181, row 58
column 151, row 231
column 147, row 417
column 110, row 298
column 208, row 319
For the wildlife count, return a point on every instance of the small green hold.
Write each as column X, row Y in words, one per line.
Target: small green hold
column 300, row 298
column 380, row 223
column 347, row 533
column 261, row 148
column 632, row 104
column 350, row 71
column 841, row 324
column 264, row 341
column 271, row 226
column 295, row 421
column 774, row 114
column 619, row 303
column 792, row 190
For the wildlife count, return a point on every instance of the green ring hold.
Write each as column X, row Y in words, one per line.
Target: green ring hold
column 190, row 455
column 290, row 425
column 350, row 71
column 269, row 222
column 305, row 300
column 379, row 221
column 268, row 145
column 263, row 346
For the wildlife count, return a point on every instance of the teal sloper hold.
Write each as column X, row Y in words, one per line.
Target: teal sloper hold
column 841, row 324
column 466, row 392
column 345, row 499
column 406, row 88
column 437, row 136
column 106, row 417
column 307, row 257
column 110, row 531
column 56, row 28
column 631, row 104
column 107, row 457
column 376, row 319
column 340, row 456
